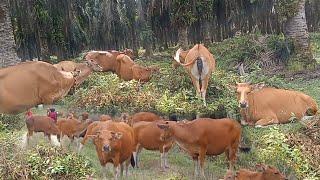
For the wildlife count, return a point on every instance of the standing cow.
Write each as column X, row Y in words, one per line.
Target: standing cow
column 265, row 105
column 200, row 64
column 31, row 83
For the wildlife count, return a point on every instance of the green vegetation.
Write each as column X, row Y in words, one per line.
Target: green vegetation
column 168, row 92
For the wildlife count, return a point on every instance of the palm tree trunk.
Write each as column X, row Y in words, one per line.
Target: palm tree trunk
column 296, row 28
column 8, row 55
column 183, row 37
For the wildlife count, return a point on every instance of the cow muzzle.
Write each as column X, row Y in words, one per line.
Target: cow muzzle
column 106, row 148
column 243, row 105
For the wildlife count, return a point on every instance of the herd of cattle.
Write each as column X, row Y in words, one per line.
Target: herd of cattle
column 119, row 140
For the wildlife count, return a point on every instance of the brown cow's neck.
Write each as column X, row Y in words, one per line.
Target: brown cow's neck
column 182, row 132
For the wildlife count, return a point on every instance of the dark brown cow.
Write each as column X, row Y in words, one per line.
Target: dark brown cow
column 205, row 136
column 32, row 83
column 41, row 124
column 200, row 64
column 148, row 136
column 265, row 105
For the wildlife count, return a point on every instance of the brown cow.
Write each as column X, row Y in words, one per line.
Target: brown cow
column 200, row 64
column 265, row 105
column 148, row 136
column 106, row 59
column 32, row 83
column 205, row 136
column 84, row 68
column 41, row 124
column 72, row 127
column 266, row 173
column 142, row 116
column 114, row 143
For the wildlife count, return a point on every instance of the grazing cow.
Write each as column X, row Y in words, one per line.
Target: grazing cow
column 266, row 173
column 199, row 63
column 142, row 116
column 41, row 124
column 28, row 84
column 84, row 68
column 265, row 105
column 148, row 136
column 72, row 127
column 114, row 143
column 205, row 136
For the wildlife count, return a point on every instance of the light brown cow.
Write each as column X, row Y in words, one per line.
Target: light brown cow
column 72, row 127
column 265, row 105
column 265, row 173
column 200, row 64
column 85, row 69
column 148, row 136
column 142, row 116
column 32, row 83
column 41, row 124
column 205, row 136
column 114, row 143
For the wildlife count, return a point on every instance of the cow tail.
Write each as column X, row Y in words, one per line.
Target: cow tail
column 200, row 68
column 132, row 161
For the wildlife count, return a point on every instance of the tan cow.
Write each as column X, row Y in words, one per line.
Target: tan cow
column 85, row 69
column 265, row 105
column 114, row 142
column 205, row 136
column 200, row 64
column 31, row 83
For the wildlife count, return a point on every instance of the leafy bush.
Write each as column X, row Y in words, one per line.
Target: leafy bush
column 41, row 162
column 12, row 122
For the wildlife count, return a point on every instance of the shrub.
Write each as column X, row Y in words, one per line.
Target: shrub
column 12, row 122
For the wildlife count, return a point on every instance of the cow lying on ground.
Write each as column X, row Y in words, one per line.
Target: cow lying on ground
column 41, row 124
column 32, row 83
column 85, row 69
column 200, row 64
column 265, row 105
column 205, row 136
column 265, row 173
column 114, row 142
column 148, row 136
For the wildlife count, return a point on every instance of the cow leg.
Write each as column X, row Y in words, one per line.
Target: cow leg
column 121, row 169
column 267, row 121
column 203, row 90
column 165, row 150
column 201, row 159
column 196, row 167
column 29, row 134
column 136, row 155
column 117, row 169
column 161, row 161
column 196, row 84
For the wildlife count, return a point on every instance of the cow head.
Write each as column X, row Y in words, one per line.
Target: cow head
column 167, row 131
column 129, row 52
column 270, row 172
column 94, row 59
column 109, row 140
column 243, row 89
column 105, row 118
column 85, row 116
